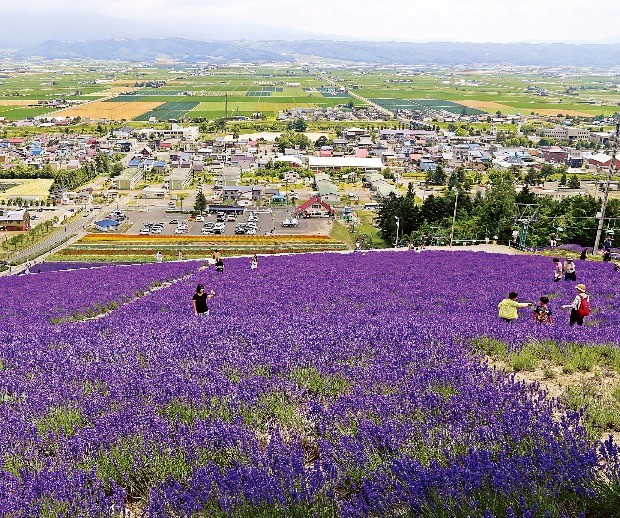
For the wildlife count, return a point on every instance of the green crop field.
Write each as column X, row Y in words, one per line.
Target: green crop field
column 14, row 113
column 167, row 111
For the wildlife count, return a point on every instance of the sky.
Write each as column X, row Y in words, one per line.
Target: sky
column 499, row 21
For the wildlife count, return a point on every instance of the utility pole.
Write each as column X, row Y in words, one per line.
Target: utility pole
column 601, row 220
column 226, row 109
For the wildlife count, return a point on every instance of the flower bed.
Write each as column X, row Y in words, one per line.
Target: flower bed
column 121, row 247
column 326, row 384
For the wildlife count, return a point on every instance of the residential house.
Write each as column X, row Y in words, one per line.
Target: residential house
column 15, row 220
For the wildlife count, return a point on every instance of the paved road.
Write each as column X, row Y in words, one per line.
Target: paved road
column 75, row 226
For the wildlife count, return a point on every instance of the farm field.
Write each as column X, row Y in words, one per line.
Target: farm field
column 39, row 187
column 269, row 89
column 421, row 104
column 16, row 112
column 360, row 389
column 168, row 110
column 114, row 111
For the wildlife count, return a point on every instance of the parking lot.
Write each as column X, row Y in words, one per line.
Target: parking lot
column 263, row 223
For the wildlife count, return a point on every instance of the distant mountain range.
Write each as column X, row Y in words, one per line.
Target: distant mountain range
column 186, row 50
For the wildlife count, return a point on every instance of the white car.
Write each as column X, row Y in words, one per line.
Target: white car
column 179, row 230
column 144, row 231
column 250, row 231
column 200, row 218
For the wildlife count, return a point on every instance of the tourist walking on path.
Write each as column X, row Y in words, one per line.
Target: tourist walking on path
column 542, row 312
column 580, row 307
column 570, row 274
column 199, row 301
column 508, row 307
column 219, row 263
column 254, row 263
column 557, row 270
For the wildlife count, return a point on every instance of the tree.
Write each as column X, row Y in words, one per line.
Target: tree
column 546, row 171
column 181, row 197
column 436, row 176
column 525, row 196
column 498, row 208
column 201, row 202
column 298, row 125
column 290, row 139
column 531, row 178
column 573, row 182
column 322, row 141
column 563, row 179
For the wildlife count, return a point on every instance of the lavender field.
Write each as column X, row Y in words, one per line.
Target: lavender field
column 320, row 385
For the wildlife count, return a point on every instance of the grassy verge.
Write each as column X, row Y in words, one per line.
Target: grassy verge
column 340, row 233
column 582, row 376
column 364, row 231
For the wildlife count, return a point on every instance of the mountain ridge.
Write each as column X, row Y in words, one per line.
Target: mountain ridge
column 371, row 52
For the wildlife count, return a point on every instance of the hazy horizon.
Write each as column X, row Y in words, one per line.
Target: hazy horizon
column 475, row 21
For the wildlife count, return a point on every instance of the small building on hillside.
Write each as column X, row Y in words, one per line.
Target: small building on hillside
column 15, row 220
column 314, row 207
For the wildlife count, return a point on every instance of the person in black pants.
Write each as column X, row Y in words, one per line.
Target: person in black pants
column 199, row 301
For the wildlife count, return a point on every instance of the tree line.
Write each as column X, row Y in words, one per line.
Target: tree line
column 492, row 215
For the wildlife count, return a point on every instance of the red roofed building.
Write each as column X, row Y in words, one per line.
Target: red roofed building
column 314, row 207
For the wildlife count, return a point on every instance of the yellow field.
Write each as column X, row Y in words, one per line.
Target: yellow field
column 110, row 110
column 573, row 113
column 40, row 187
column 19, row 102
column 483, row 105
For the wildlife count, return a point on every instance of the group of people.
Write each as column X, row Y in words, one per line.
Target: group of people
column 567, row 270
column 542, row 312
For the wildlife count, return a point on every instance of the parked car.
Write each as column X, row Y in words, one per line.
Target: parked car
column 200, row 218
column 174, row 221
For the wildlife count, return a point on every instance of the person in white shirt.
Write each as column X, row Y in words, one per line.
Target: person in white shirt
column 580, row 307
column 569, row 270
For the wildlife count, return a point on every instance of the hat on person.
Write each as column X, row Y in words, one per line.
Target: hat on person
column 569, row 259
column 581, row 287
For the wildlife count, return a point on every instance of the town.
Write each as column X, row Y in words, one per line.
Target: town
column 99, row 138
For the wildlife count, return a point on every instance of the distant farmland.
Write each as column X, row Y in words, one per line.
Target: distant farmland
column 167, row 111
column 426, row 104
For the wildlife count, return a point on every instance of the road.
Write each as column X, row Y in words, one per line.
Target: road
column 357, row 96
